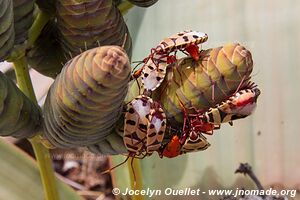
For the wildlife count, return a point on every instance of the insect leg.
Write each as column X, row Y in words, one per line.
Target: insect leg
column 112, row 168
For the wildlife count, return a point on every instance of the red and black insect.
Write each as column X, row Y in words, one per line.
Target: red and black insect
column 154, row 69
column 144, row 128
column 239, row 105
column 172, row 148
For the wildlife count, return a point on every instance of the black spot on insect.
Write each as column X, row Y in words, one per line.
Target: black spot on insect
column 195, row 36
column 144, row 101
column 152, row 134
column 155, row 142
column 146, row 75
column 186, row 39
column 135, row 136
column 234, row 117
column 210, row 116
column 180, row 34
column 161, row 70
column 150, row 67
column 163, row 123
column 160, row 133
column 158, row 78
column 222, row 114
column 151, row 126
column 131, row 110
column 147, row 116
column 164, row 44
column 143, row 126
column 130, row 122
column 132, row 147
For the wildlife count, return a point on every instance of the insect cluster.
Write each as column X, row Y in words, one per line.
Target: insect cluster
column 184, row 99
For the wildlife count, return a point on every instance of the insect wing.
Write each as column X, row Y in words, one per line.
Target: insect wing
column 240, row 105
column 156, row 129
column 181, row 40
column 244, row 102
column 192, row 37
column 153, row 74
column 135, row 127
column 191, row 144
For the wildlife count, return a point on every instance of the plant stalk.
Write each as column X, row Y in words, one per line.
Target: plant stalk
column 35, row 30
column 41, row 153
column 136, row 179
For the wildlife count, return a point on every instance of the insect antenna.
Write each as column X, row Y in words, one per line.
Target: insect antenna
column 183, row 51
column 138, row 64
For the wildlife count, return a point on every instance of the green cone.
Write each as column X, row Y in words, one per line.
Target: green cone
column 46, row 55
column 84, row 24
column 204, row 83
column 86, row 99
column 23, row 19
column 113, row 143
column 7, row 33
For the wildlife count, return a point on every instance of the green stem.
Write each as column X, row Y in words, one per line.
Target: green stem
column 136, row 179
column 124, row 7
column 40, row 21
column 41, row 153
column 23, row 78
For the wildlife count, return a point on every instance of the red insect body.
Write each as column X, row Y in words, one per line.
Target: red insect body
column 204, row 127
column 244, row 100
column 173, row 148
column 171, row 59
column 193, row 50
column 137, row 74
